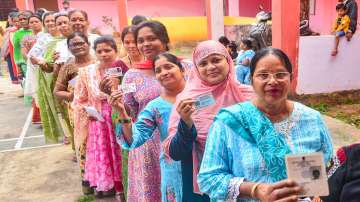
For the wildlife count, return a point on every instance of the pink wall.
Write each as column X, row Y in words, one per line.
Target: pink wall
column 157, row 8
column 166, row 8
column 96, row 9
column 325, row 15
column 249, row 8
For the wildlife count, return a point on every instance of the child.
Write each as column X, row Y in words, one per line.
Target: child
column 341, row 26
column 243, row 61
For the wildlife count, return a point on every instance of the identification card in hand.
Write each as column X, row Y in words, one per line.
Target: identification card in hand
column 94, row 113
column 114, row 71
column 72, row 82
column 128, row 88
column 308, row 170
column 204, row 100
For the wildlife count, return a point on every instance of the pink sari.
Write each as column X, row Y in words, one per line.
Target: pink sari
column 226, row 93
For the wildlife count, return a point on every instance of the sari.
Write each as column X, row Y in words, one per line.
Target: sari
column 18, row 57
column 49, row 107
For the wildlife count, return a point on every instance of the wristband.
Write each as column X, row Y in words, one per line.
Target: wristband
column 119, row 120
column 253, row 189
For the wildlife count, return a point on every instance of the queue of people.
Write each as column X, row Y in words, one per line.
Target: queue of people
column 183, row 131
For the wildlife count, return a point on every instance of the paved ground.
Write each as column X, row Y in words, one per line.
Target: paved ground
column 30, row 170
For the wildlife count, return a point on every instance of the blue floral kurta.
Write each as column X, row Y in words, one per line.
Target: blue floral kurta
column 229, row 159
column 156, row 116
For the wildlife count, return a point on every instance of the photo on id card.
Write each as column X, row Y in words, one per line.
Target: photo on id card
column 308, row 171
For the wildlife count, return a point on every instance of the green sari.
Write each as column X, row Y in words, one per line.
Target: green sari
column 49, row 106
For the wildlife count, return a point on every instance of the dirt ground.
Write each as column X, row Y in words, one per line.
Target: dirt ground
column 344, row 105
column 41, row 175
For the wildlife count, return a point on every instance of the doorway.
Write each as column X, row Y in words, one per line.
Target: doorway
column 51, row 5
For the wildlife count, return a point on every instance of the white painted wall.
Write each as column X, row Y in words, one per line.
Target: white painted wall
column 319, row 72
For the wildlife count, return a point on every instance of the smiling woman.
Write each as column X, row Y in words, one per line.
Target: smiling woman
column 155, row 116
column 214, row 76
column 261, row 131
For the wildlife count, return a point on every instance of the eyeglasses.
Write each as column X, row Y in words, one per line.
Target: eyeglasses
column 279, row 76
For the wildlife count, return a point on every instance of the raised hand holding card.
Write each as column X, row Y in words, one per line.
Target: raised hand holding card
column 308, row 170
column 204, row 100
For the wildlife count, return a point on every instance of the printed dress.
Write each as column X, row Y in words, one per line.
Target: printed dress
column 143, row 162
column 230, row 158
column 103, row 154
column 156, row 116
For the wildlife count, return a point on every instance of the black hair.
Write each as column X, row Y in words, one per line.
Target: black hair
column 36, row 16
column 169, row 57
column 340, row 6
column 127, row 30
column 66, row 2
column 224, row 41
column 247, row 43
column 157, row 28
column 79, row 34
column 40, row 12
column 233, row 46
column 57, row 15
column 26, row 13
column 108, row 39
column 270, row 51
column 49, row 13
column 137, row 19
column 84, row 13
column 13, row 14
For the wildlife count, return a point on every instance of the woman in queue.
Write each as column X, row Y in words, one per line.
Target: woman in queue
column 213, row 77
column 46, row 79
column 245, row 151
column 103, row 155
column 143, row 162
column 133, row 55
column 155, row 116
column 79, row 46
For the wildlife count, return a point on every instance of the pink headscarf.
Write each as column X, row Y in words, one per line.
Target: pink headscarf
column 226, row 93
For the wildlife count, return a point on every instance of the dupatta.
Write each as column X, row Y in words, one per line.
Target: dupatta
column 259, row 131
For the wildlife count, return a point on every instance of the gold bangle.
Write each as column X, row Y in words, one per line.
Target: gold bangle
column 253, row 189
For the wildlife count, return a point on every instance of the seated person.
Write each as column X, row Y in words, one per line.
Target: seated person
column 341, row 26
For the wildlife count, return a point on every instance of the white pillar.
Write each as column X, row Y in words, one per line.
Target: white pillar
column 234, row 8
column 215, row 18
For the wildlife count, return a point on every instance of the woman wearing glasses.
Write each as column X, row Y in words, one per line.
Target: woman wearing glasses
column 245, row 150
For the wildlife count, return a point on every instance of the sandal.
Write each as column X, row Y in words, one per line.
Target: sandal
column 120, row 197
column 109, row 193
column 86, row 189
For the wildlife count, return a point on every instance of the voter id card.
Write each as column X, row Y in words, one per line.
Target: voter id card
column 72, row 82
column 113, row 71
column 128, row 88
column 94, row 113
column 308, row 171
column 204, row 100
